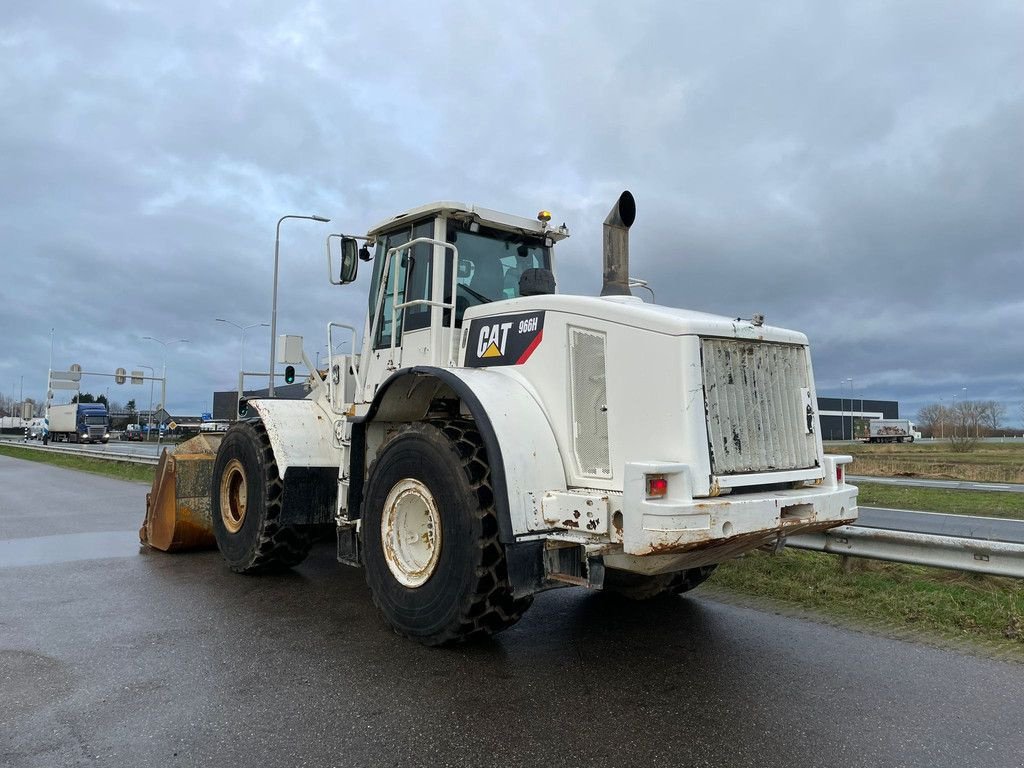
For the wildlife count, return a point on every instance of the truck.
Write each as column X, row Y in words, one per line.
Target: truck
column 77, row 423
column 489, row 438
column 891, row 431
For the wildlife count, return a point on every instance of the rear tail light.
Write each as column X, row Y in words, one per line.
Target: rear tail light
column 839, row 474
column 657, row 486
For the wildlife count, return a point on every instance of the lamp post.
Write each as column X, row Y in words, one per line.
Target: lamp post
column 330, row 352
column 152, row 375
column 163, row 376
column 853, row 435
column 273, row 311
column 241, row 353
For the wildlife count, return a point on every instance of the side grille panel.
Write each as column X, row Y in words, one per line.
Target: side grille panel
column 589, row 398
column 755, row 407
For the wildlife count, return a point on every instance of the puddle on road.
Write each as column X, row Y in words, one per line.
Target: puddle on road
column 69, row 547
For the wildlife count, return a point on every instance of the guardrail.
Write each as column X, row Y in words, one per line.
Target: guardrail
column 134, row 458
column 995, row 558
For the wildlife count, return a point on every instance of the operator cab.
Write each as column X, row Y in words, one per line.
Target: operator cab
column 500, row 257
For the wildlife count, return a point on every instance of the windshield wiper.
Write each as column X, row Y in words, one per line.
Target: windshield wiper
column 471, row 292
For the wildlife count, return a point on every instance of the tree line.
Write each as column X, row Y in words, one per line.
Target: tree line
column 963, row 419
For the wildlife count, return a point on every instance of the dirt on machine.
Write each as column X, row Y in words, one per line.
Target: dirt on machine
column 487, row 438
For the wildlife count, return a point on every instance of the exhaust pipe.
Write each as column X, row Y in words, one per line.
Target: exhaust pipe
column 616, row 246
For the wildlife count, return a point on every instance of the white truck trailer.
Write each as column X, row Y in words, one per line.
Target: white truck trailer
column 494, row 438
column 77, row 423
column 891, row 431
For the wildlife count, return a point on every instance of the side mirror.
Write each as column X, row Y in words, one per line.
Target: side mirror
column 349, row 260
column 351, row 253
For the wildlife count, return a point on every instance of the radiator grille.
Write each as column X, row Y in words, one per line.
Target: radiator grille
column 756, row 408
column 589, row 398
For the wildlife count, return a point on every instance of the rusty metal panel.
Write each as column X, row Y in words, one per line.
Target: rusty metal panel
column 756, row 415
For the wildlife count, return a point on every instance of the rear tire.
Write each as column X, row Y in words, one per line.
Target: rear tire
column 433, row 561
column 246, row 494
column 635, row 586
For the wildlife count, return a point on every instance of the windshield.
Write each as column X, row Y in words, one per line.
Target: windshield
column 96, row 420
column 491, row 263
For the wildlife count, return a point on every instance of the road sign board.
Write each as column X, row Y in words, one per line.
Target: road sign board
column 64, row 385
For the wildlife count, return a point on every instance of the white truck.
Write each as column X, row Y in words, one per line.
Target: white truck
column 891, row 431
column 494, row 438
column 77, row 423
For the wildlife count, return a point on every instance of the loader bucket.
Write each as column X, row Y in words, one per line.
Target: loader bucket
column 178, row 506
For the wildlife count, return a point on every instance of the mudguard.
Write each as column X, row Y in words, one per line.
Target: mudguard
column 521, row 448
column 302, row 437
column 300, row 433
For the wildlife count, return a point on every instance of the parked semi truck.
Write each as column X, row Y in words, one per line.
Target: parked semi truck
column 77, row 423
column 494, row 438
column 891, row 431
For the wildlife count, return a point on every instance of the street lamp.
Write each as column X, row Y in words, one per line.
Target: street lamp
column 241, row 354
column 853, row 435
column 243, row 329
column 163, row 382
column 273, row 311
column 152, row 375
column 330, row 351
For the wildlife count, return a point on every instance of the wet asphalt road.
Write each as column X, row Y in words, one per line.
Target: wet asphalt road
column 109, row 656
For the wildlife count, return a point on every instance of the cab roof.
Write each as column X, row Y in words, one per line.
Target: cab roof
column 469, row 212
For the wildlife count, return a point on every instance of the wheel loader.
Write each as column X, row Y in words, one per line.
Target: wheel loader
column 492, row 438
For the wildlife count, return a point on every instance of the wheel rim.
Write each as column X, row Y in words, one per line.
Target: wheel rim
column 234, row 496
column 410, row 533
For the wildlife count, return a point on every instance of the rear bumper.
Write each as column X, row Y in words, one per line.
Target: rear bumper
column 732, row 524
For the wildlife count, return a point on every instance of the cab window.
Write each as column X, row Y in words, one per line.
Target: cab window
column 413, row 280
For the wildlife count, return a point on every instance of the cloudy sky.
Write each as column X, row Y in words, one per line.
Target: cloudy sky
column 852, row 170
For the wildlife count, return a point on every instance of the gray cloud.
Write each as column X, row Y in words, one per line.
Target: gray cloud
column 852, row 171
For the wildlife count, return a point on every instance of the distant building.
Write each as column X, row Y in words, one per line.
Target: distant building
column 843, row 418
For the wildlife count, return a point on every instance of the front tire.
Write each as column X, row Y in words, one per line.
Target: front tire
column 636, row 586
column 433, row 561
column 246, row 496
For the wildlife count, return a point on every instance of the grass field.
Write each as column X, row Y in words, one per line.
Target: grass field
column 979, row 503
column 142, row 473
column 987, row 462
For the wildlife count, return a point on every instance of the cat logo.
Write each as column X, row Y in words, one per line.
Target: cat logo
column 493, row 339
column 506, row 340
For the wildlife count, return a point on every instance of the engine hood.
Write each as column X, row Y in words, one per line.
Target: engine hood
column 633, row 312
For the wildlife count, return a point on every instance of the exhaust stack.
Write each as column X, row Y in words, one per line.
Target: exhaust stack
column 616, row 246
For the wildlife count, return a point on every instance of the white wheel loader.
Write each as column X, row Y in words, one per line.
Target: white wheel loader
column 494, row 438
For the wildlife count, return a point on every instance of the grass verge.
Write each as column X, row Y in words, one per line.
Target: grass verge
column 979, row 503
column 945, row 605
column 142, row 473
column 986, row 462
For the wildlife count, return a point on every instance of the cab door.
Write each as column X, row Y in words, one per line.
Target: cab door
column 411, row 271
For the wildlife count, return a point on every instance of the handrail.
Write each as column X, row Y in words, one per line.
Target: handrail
column 391, row 263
